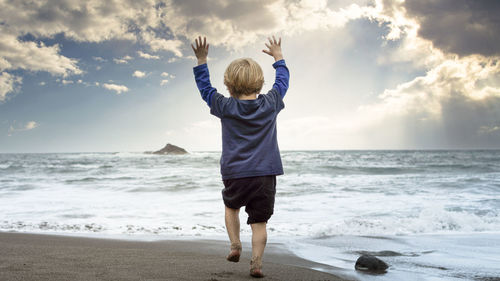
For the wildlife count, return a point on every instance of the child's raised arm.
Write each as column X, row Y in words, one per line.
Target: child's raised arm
column 201, row 74
column 282, row 73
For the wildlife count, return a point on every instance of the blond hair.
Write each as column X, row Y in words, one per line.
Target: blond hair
column 243, row 77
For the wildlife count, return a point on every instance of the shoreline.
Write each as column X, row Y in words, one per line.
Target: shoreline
column 29, row 256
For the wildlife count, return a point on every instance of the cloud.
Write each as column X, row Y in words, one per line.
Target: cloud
column 489, row 129
column 147, row 56
column 4, row 64
column 99, row 59
column 163, row 82
column 166, row 74
column 90, row 21
column 30, row 125
column 123, row 60
column 161, row 44
column 469, row 78
column 139, row 74
column 235, row 24
column 8, row 84
column 16, row 54
column 449, row 106
column 114, row 87
column 161, row 26
column 463, row 27
column 224, row 22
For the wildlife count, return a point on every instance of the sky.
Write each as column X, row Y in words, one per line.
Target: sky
column 95, row 76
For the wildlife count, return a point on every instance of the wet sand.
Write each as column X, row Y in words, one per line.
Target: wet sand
column 52, row 257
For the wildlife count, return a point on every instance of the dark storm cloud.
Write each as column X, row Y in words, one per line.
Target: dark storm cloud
column 463, row 27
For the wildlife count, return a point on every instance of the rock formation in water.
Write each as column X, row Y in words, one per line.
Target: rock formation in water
column 169, row 149
column 371, row 264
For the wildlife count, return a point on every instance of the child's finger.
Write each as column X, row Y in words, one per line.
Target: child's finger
column 270, row 41
column 274, row 40
column 193, row 48
column 204, row 41
column 267, row 52
column 279, row 42
column 199, row 38
column 208, row 46
column 267, row 45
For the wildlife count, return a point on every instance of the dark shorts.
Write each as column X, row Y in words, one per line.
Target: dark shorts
column 256, row 193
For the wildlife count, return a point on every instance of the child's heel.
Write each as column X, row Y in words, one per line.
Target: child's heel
column 234, row 255
column 256, row 267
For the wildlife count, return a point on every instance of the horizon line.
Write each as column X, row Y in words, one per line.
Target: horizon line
column 284, row 150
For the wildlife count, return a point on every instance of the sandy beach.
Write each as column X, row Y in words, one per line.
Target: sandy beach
column 53, row 257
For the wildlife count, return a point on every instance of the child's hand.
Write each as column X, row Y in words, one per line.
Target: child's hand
column 201, row 50
column 274, row 49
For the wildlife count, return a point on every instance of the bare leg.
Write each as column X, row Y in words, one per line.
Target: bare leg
column 233, row 231
column 259, row 240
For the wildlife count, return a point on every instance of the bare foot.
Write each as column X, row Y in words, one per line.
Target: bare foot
column 256, row 267
column 235, row 253
column 257, row 273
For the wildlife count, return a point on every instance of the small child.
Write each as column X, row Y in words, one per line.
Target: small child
column 250, row 157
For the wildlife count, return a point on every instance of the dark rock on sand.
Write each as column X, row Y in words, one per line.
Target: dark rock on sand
column 169, row 149
column 371, row 264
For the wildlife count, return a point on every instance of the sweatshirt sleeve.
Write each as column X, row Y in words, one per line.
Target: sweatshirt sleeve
column 209, row 94
column 202, row 78
column 282, row 77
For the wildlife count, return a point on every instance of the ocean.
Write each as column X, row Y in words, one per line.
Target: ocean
column 431, row 215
